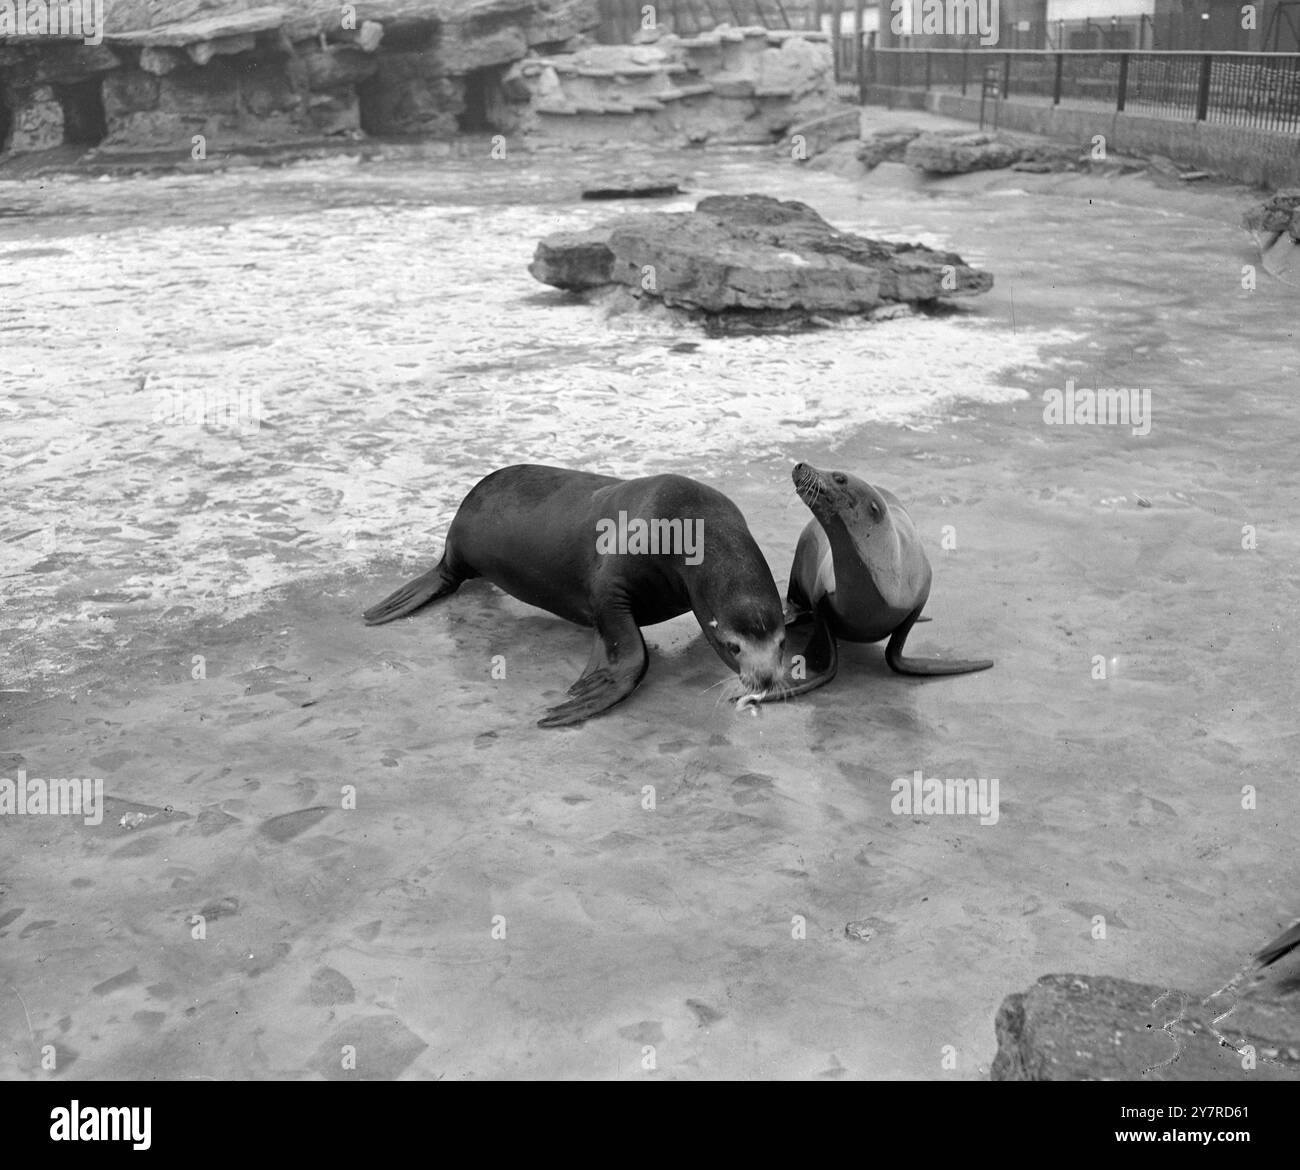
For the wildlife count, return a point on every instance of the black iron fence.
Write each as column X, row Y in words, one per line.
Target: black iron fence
column 1259, row 90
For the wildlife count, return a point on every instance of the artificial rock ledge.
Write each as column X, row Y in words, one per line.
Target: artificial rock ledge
column 772, row 262
column 242, row 75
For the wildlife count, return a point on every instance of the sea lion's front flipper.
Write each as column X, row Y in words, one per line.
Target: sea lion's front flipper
column 926, row 666
column 437, row 582
column 617, row 664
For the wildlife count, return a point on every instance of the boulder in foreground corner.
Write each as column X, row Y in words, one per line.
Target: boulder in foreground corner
column 751, row 255
column 1094, row 1028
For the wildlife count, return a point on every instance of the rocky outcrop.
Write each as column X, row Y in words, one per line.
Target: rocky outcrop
column 739, row 85
column 954, row 154
column 1091, row 1028
column 37, row 122
column 168, row 70
column 819, row 134
column 774, row 262
column 1045, row 157
column 1279, row 213
column 1275, row 227
column 886, row 146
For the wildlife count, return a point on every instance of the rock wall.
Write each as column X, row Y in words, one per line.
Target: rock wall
column 238, row 75
column 746, row 85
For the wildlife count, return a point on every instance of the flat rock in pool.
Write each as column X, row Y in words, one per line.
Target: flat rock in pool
column 633, row 187
column 751, row 256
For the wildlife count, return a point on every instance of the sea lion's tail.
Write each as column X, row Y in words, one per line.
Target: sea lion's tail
column 926, row 667
column 437, row 582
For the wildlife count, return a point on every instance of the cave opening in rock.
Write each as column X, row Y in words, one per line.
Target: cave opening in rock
column 84, row 121
column 410, row 36
column 483, row 100
column 374, row 102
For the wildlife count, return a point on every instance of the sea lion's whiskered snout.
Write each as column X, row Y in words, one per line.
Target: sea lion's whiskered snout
column 761, row 664
column 823, row 492
column 808, row 483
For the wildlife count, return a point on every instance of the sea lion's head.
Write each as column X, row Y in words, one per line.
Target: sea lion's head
column 877, row 555
column 751, row 640
column 835, row 497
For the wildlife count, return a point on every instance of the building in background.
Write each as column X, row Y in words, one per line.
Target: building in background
column 1186, row 25
column 1154, row 24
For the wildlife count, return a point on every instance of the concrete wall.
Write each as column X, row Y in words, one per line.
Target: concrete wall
column 1262, row 157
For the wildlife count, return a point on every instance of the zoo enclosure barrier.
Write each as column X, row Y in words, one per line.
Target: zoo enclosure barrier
column 1256, row 90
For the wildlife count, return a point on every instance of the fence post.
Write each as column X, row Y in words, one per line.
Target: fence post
column 929, row 57
column 1056, row 85
column 835, row 37
column 859, row 56
column 817, row 15
column 1006, row 78
column 963, row 71
column 1203, row 94
column 1123, row 83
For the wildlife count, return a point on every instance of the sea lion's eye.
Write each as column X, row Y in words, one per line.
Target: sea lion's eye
column 734, row 648
column 875, row 509
column 838, row 477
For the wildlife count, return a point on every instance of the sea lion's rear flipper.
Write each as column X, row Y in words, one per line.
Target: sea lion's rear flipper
column 794, row 614
column 437, row 582
column 617, row 665
column 926, row 666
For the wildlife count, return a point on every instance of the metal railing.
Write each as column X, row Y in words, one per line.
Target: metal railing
column 1257, row 90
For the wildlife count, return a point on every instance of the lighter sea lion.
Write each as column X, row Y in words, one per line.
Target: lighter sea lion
column 859, row 574
column 541, row 534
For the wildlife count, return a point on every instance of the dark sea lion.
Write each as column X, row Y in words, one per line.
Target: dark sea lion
column 604, row 553
column 859, row 574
